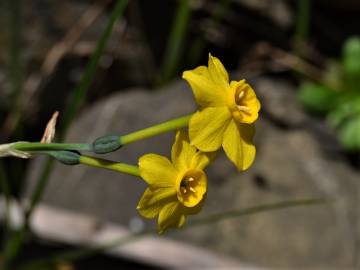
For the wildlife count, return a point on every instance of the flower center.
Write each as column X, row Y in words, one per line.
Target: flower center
column 239, row 100
column 191, row 187
column 239, row 103
column 187, row 185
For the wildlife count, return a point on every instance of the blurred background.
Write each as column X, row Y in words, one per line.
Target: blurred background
column 301, row 57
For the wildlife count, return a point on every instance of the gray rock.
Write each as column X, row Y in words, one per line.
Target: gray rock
column 290, row 164
column 279, row 103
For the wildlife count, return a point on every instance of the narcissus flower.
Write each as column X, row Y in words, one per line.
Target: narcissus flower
column 177, row 188
column 227, row 113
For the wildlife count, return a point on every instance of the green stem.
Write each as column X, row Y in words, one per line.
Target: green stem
column 16, row 66
column 176, row 41
column 155, row 130
column 199, row 44
column 36, row 146
column 302, row 25
column 256, row 209
column 303, row 19
column 110, row 165
column 39, row 190
column 5, row 187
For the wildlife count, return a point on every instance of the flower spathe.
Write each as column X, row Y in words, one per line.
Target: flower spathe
column 227, row 113
column 177, row 188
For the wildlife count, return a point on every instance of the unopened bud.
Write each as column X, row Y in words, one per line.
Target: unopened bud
column 66, row 157
column 106, row 144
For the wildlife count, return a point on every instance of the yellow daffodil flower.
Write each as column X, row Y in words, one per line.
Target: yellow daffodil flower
column 177, row 188
column 227, row 113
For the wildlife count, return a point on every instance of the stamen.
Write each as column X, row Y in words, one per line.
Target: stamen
column 190, row 179
column 192, row 189
column 243, row 108
column 241, row 94
column 183, row 190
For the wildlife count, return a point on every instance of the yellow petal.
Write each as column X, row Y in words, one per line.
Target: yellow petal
column 207, row 93
column 202, row 159
column 196, row 209
column 207, row 127
column 151, row 202
column 218, row 73
column 182, row 152
column 171, row 216
column 157, row 171
column 238, row 144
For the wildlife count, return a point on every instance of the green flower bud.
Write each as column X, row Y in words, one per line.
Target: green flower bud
column 66, row 157
column 106, row 144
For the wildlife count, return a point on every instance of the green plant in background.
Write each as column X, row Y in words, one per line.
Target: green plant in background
column 174, row 48
column 338, row 96
column 302, row 25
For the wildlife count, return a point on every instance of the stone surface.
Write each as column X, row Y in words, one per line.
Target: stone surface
column 292, row 163
column 279, row 103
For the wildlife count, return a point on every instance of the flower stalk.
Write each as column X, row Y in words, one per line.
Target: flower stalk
column 109, row 165
column 167, row 126
column 37, row 146
column 110, row 143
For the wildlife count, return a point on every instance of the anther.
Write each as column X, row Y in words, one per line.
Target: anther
column 243, row 108
column 192, row 189
column 183, row 190
column 241, row 94
column 190, row 179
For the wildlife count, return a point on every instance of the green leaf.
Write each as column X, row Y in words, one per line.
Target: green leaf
column 349, row 134
column 351, row 63
column 346, row 119
column 351, row 56
column 348, row 107
column 318, row 98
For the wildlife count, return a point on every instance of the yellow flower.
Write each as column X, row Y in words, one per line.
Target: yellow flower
column 177, row 188
column 227, row 113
